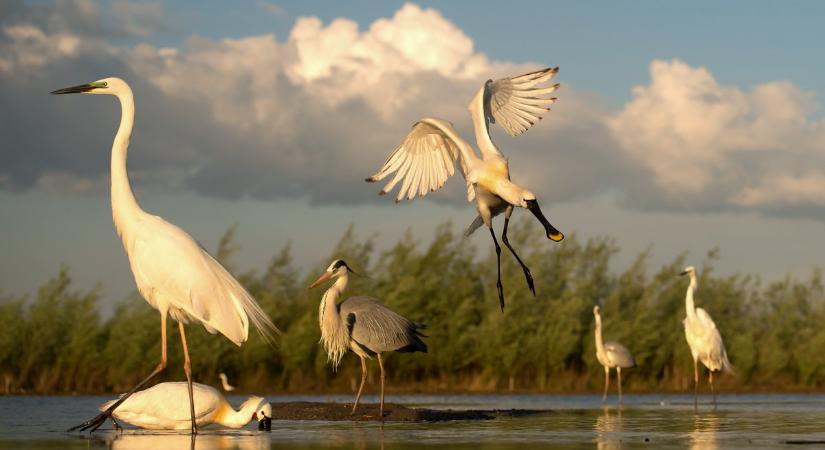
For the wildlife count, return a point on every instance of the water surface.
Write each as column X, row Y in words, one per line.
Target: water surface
column 574, row 421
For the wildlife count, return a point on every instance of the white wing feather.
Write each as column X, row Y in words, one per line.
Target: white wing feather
column 706, row 342
column 166, row 405
column 425, row 160
column 516, row 103
column 173, row 271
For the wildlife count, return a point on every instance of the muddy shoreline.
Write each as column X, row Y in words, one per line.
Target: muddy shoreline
column 392, row 412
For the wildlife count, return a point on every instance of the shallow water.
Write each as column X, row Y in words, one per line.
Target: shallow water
column 576, row 421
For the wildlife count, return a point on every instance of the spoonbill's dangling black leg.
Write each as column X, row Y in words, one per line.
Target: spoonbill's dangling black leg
column 498, row 266
column 506, row 241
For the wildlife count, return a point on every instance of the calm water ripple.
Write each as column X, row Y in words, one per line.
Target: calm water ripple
column 575, row 421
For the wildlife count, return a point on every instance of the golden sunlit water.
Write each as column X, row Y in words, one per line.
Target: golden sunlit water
column 580, row 421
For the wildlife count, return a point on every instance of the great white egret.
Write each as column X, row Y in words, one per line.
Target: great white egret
column 172, row 271
column 363, row 325
column 427, row 157
column 225, row 383
column 611, row 354
column 704, row 339
column 163, row 407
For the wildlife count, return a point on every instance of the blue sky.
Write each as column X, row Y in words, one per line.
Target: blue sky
column 678, row 127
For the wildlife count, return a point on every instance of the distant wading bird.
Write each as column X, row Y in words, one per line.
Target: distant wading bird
column 172, row 271
column 363, row 325
column 611, row 355
column 427, row 156
column 162, row 407
column 704, row 340
column 225, row 383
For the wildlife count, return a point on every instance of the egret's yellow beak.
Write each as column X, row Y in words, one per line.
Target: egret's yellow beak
column 326, row 276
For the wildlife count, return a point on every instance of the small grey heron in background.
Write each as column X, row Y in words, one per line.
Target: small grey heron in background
column 704, row 340
column 225, row 383
column 363, row 325
column 611, row 355
column 428, row 155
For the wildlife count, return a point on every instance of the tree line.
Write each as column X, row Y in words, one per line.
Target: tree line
column 55, row 342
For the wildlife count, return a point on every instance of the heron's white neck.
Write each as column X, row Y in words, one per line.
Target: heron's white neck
column 690, row 308
column 599, row 340
column 124, row 205
column 237, row 419
column 481, row 126
column 334, row 334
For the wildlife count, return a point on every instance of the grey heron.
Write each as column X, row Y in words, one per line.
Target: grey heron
column 427, row 157
column 704, row 340
column 362, row 325
column 611, row 355
column 172, row 271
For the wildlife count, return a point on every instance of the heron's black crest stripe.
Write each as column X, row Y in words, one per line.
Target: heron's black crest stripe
column 339, row 263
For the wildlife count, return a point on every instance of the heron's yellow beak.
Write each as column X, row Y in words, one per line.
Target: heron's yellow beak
column 326, row 276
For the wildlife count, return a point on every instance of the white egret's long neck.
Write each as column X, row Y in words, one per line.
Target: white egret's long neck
column 481, row 126
column 124, row 205
column 599, row 340
column 237, row 419
column 334, row 334
column 690, row 308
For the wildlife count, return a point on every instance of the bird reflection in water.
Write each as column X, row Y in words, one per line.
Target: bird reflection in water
column 204, row 440
column 608, row 429
column 705, row 432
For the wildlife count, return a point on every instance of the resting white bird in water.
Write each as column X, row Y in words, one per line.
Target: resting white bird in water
column 704, row 340
column 363, row 325
column 611, row 355
column 172, row 271
column 225, row 383
column 427, row 157
column 164, row 407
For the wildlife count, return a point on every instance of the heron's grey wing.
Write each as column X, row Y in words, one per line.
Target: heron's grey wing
column 516, row 103
column 425, row 159
column 378, row 328
column 619, row 354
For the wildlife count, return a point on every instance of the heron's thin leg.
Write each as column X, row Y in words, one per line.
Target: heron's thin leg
column 94, row 423
column 710, row 382
column 381, row 407
column 498, row 266
column 606, row 383
column 187, row 368
column 619, row 376
column 363, row 380
column 695, row 384
column 524, row 267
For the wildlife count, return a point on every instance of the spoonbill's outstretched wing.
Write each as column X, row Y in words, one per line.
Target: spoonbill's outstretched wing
column 517, row 103
column 425, row 159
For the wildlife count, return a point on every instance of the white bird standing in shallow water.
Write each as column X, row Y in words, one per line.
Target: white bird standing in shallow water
column 163, row 407
column 172, row 271
column 363, row 325
column 225, row 383
column 611, row 354
column 704, row 340
column 427, row 156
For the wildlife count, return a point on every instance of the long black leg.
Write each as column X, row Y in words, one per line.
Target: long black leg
column 98, row 420
column 524, row 267
column 498, row 265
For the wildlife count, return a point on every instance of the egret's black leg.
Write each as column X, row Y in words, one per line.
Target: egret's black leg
column 524, row 267
column 115, row 424
column 187, row 368
column 498, row 265
column 98, row 420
